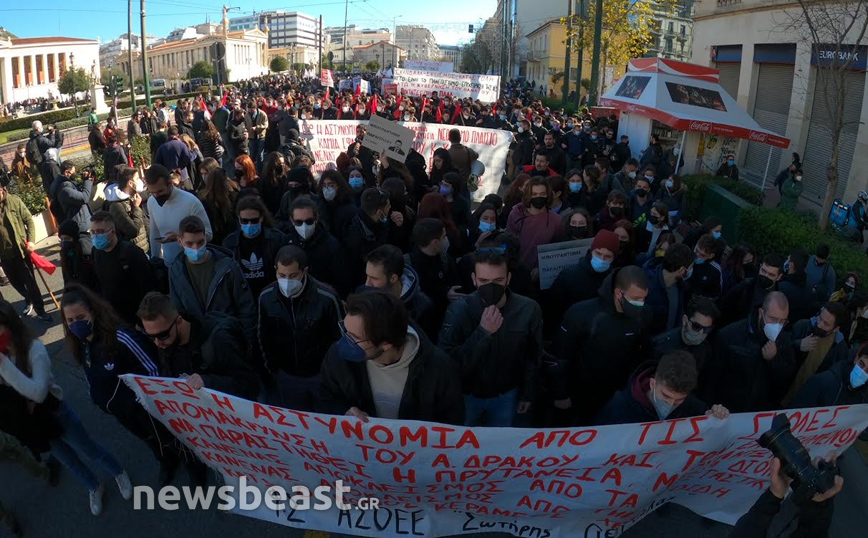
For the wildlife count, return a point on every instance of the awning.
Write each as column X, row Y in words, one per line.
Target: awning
column 686, row 97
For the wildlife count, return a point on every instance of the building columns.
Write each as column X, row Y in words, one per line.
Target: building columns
column 33, row 80
column 6, row 81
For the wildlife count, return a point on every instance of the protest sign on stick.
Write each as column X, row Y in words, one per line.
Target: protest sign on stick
column 388, row 138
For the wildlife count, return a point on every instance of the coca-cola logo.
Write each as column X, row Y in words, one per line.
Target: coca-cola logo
column 700, row 126
column 758, row 137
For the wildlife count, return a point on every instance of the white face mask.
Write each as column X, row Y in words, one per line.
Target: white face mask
column 346, row 109
column 305, row 230
column 289, row 287
column 21, row 154
column 406, row 117
column 772, row 330
column 632, row 175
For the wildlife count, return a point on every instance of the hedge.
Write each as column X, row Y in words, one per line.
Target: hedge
column 696, row 185
column 556, row 103
column 779, row 230
column 51, row 116
column 172, row 97
column 74, row 122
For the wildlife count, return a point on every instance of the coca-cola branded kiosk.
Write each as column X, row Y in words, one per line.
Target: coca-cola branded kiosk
column 685, row 106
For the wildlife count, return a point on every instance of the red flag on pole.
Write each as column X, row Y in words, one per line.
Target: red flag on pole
column 40, row 262
column 374, row 105
column 439, row 116
column 225, row 98
column 327, row 93
column 457, row 114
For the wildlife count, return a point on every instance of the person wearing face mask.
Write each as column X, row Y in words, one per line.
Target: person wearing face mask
column 844, row 383
column 626, row 176
column 255, row 244
column 659, row 391
column 622, row 154
column 533, row 222
column 818, row 343
column 791, row 191
column 384, row 366
column 613, row 212
column 757, row 358
column 540, row 166
column 691, row 336
column 36, row 413
column 821, row 274
column 496, row 336
column 744, row 298
column 325, row 256
column 299, row 183
column 523, row 152
column 207, row 279
column 593, row 147
column 125, row 206
column 668, row 288
column 640, row 203
column 367, row 230
column 707, row 279
column 435, row 268
column 76, row 266
column 16, row 244
column 581, row 281
column 239, row 137
column 123, row 273
column 298, row 321
column 653, row 154
column 598, row 344
column 672, row 193
column 71, row 201
column 256, row 122
column 728, row 169
column 210, row 353
column 22, row 169
column 336, row 208
column 846, row 293
column 794, row 285
column 575, row 143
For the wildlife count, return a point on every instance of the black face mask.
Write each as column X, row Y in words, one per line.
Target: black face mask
column 641, row 193
column 239, row 173
column 630, row 310
column 653, row 219
column 539, row 202
column 579, row 232
column 616, row 211
column 162, row 199
column 749, row 269
column 765, row 282
column 491, row 293
column 624, row 245
column 818, row 332
column 296, row 188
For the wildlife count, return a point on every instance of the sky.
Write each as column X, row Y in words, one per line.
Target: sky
column 107, row 19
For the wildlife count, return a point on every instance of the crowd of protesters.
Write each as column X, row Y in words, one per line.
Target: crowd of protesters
column 381, row 289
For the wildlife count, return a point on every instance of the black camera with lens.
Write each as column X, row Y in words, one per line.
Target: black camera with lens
column 808, row 480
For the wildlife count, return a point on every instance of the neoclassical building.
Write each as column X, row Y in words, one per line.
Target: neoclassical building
column 31, row 66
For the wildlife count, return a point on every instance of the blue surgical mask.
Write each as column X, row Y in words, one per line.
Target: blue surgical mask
column 445, row 190
column 858, row 377
column 316, row 106
column 716, row 235
column 384, row 219
column 195, row 255
column 569, row 125
column 349, row 350
column 669, row 183
column 503, row 117
column 664, row 409
column 575, row 187
column 593, row 137
column 356, row 183
column 599, row 265
column 251, row 230
column 81, row 328
column 100, row 241
column 698, row 261
column 487, row 227
column 329, row 193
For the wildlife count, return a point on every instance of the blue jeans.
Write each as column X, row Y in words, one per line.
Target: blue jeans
column 74, row 441
column 498, row 411
column 256, row 145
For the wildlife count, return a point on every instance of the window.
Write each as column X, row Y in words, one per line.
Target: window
column 671, row 27
column 668, row 45
column 683, row 29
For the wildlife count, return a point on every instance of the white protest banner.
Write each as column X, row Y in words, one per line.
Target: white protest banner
column 486, row 88
column 345, row 84
column 437, row 480
column 388, row 138
column 426, row 65
column 556, row 257
column 327, row 78
column 359, row 81
column 328, row 138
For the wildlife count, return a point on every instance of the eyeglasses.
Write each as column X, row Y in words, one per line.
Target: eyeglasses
column 309, row 222
column 164, row 335
column 699, row 328
column 250, row 221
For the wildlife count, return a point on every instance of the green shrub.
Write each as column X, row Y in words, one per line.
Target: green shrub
column 31, row 193
column 556, row 103
column 141, row 149
column 779, row 230
column 696, row 185
column 46, row 118
column 68, row 124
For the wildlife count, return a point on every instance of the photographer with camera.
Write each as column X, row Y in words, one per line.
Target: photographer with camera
column 815, row 515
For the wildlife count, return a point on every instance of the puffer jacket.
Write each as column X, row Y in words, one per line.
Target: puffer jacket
column 295, row 333
column 73, row 200
column 229, row 292
column 130, row 221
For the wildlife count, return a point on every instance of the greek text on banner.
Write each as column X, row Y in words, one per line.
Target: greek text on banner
column 437, row 480
column 486, row 88
column 328, row 138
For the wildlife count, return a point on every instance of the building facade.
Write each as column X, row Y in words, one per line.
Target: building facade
column 776, row 72
column 246, row 56
column 384, row 53
column 109, row 52
column 673, row 32
column 451, row 53
column 30, row 67
column 284, row 28
column 418, row 42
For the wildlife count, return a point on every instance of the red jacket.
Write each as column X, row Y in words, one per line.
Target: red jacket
column 532, row 171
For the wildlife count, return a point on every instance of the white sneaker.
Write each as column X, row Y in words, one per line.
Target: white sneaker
column 96, row 500
column 124, row 485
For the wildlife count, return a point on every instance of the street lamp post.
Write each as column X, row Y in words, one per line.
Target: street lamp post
column 72, row 70
column 395, row 44
column 378, row 60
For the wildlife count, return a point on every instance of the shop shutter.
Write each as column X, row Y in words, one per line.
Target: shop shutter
column 729, row 77
column 771, row 111
column 818, row 149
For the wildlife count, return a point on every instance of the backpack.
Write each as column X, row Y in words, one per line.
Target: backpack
column 33, row 153
column 840, row 214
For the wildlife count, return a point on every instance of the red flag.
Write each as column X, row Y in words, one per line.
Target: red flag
column 326, row 98
column 202, row 104
column 374, row 105
column 41, row 263
column 439, row 116
column 130, row 158
column 359, row 88
column 457, row 114
column 225, row 98
column 422, row 114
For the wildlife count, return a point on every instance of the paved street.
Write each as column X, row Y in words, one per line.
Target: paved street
column 63, row 511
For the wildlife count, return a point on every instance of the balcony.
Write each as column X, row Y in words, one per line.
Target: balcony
column 724, row 3
column 533, row 55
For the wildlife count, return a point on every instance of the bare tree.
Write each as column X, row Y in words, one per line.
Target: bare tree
column 835, row 29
